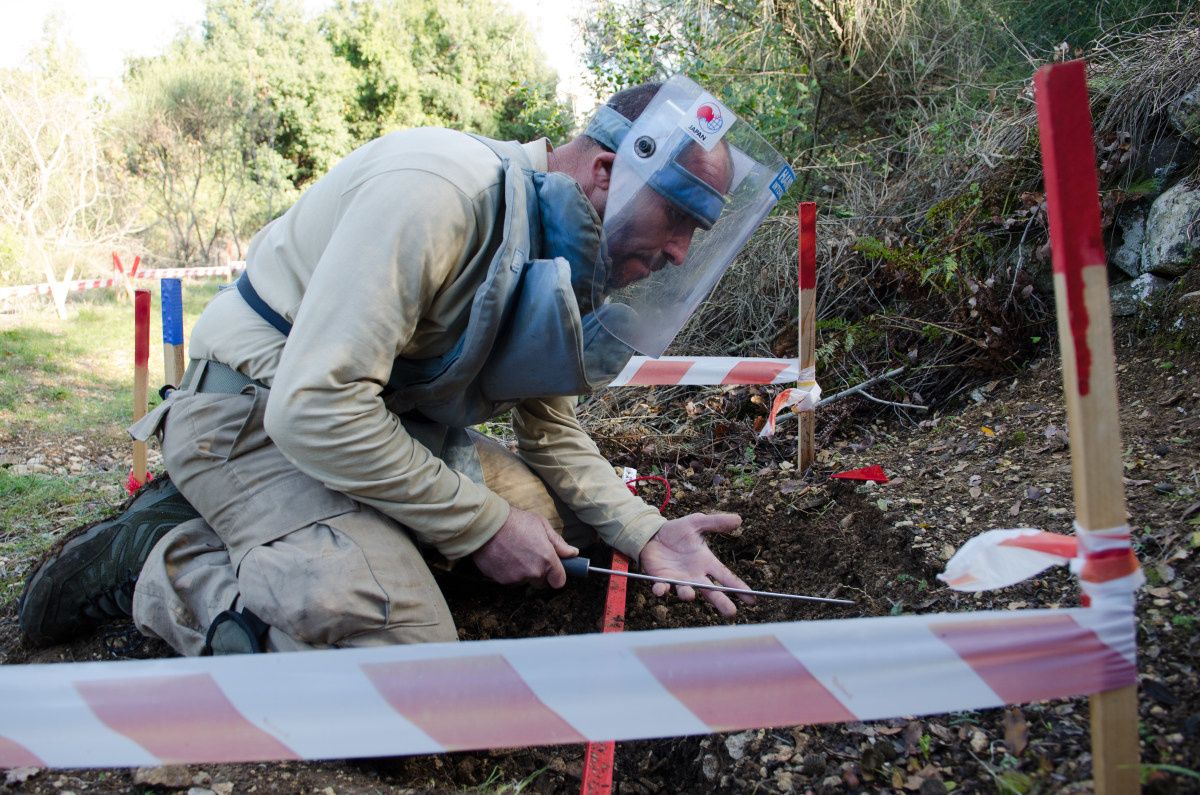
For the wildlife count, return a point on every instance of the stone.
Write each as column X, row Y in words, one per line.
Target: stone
column 168, row 776
column 1173, row 232
column 1127, row 297
column 1127, row 254
column 1164, row 157
column 19, row 775
column 932, row 786
column 1184, row 115
column 709, row 767
column 223, row 788
column 735, row 744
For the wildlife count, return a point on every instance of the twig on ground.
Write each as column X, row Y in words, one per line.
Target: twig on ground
column 893, row 403
column 854, row 389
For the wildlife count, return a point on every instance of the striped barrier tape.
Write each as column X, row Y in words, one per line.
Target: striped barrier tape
column 1102, row 559
column 98, row 284
column 191, row 273
column 431, row 698
column 45, row 289
column 706, row 371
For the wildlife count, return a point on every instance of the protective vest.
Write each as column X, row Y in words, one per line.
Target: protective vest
column 528, row 335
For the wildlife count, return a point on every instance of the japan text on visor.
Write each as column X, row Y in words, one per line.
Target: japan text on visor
column 690, row 184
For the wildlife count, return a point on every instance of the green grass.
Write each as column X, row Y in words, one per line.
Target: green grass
column 75, row 376
column 61, row 379
column 35, row 510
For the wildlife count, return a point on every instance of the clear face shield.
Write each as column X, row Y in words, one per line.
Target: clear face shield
column 690, row 184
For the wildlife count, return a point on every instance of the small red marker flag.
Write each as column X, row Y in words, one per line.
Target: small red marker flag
column 873, row 472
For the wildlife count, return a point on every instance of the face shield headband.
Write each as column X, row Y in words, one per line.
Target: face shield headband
column 676, row 184
column 690, row 183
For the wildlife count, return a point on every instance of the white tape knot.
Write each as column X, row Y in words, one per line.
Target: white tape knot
column 804, row 396
column 1102, row 559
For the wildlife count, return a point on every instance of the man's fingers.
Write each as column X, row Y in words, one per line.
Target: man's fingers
column 556, row 575
column 723, row 603
column 561, row 547
column 725, row 577
column 717, row 522
column 686, row 593
column 660, row 589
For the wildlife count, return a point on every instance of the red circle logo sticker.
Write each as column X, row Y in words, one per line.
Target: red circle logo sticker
column 710, row 116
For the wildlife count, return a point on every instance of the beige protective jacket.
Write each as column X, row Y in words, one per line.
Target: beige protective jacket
column 381, row 258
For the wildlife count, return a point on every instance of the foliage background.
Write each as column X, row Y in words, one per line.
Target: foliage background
column 909, row 122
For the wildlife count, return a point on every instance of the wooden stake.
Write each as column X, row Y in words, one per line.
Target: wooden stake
column 172, row 328
column 141, row 376
column 1089, row 374
column 807, row 326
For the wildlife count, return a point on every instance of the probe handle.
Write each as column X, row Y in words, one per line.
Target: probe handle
column 577, row 566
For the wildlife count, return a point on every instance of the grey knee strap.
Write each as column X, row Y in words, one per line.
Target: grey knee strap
column 235, row 632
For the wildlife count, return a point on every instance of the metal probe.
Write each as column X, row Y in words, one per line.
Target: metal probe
column 580, row 566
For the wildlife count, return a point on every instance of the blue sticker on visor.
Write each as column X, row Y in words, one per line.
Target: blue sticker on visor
column 783, row 180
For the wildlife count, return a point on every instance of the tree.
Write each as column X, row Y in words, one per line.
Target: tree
column 466, row 64
column 222, row 131
column 58, row 198
column 288, row 65
column 198, row 145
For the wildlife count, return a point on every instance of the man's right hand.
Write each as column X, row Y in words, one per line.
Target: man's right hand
column 524, row 549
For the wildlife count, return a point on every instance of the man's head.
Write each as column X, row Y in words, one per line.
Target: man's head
column 654, row 230
column 651, row 230
column 677, row 178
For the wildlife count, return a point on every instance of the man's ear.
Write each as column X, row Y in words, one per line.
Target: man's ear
column 602, row 165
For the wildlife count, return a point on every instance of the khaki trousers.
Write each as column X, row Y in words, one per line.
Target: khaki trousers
column 321, row 569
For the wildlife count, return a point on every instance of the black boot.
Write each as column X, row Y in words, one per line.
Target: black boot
column 88, row 578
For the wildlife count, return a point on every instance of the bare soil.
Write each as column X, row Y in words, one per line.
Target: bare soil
column 1000, row 461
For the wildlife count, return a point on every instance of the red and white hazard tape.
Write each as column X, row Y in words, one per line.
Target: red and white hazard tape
column 1102, row 559
column 98, row 284
column 429, row 698
column 45, row 289
column 705, row 371
column 804, row 396
column 191, row 273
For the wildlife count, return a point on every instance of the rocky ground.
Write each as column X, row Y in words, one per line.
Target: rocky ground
column 1002, row 460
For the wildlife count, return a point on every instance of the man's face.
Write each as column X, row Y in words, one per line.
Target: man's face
column 652, row 232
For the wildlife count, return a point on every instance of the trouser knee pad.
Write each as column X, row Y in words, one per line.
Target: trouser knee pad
column 235, row 632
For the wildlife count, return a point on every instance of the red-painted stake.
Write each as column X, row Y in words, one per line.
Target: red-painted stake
column 598, row 757
column 1089, row 372
column 141, row 377
column 807, row 325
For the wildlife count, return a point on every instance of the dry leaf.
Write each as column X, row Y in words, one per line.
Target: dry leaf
column 987, row 431
column 1015, row 509
column 1016, row 730
column 912, row 736
column 975, row 491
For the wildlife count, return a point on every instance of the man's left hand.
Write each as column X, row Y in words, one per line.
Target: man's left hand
column 678, row 551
